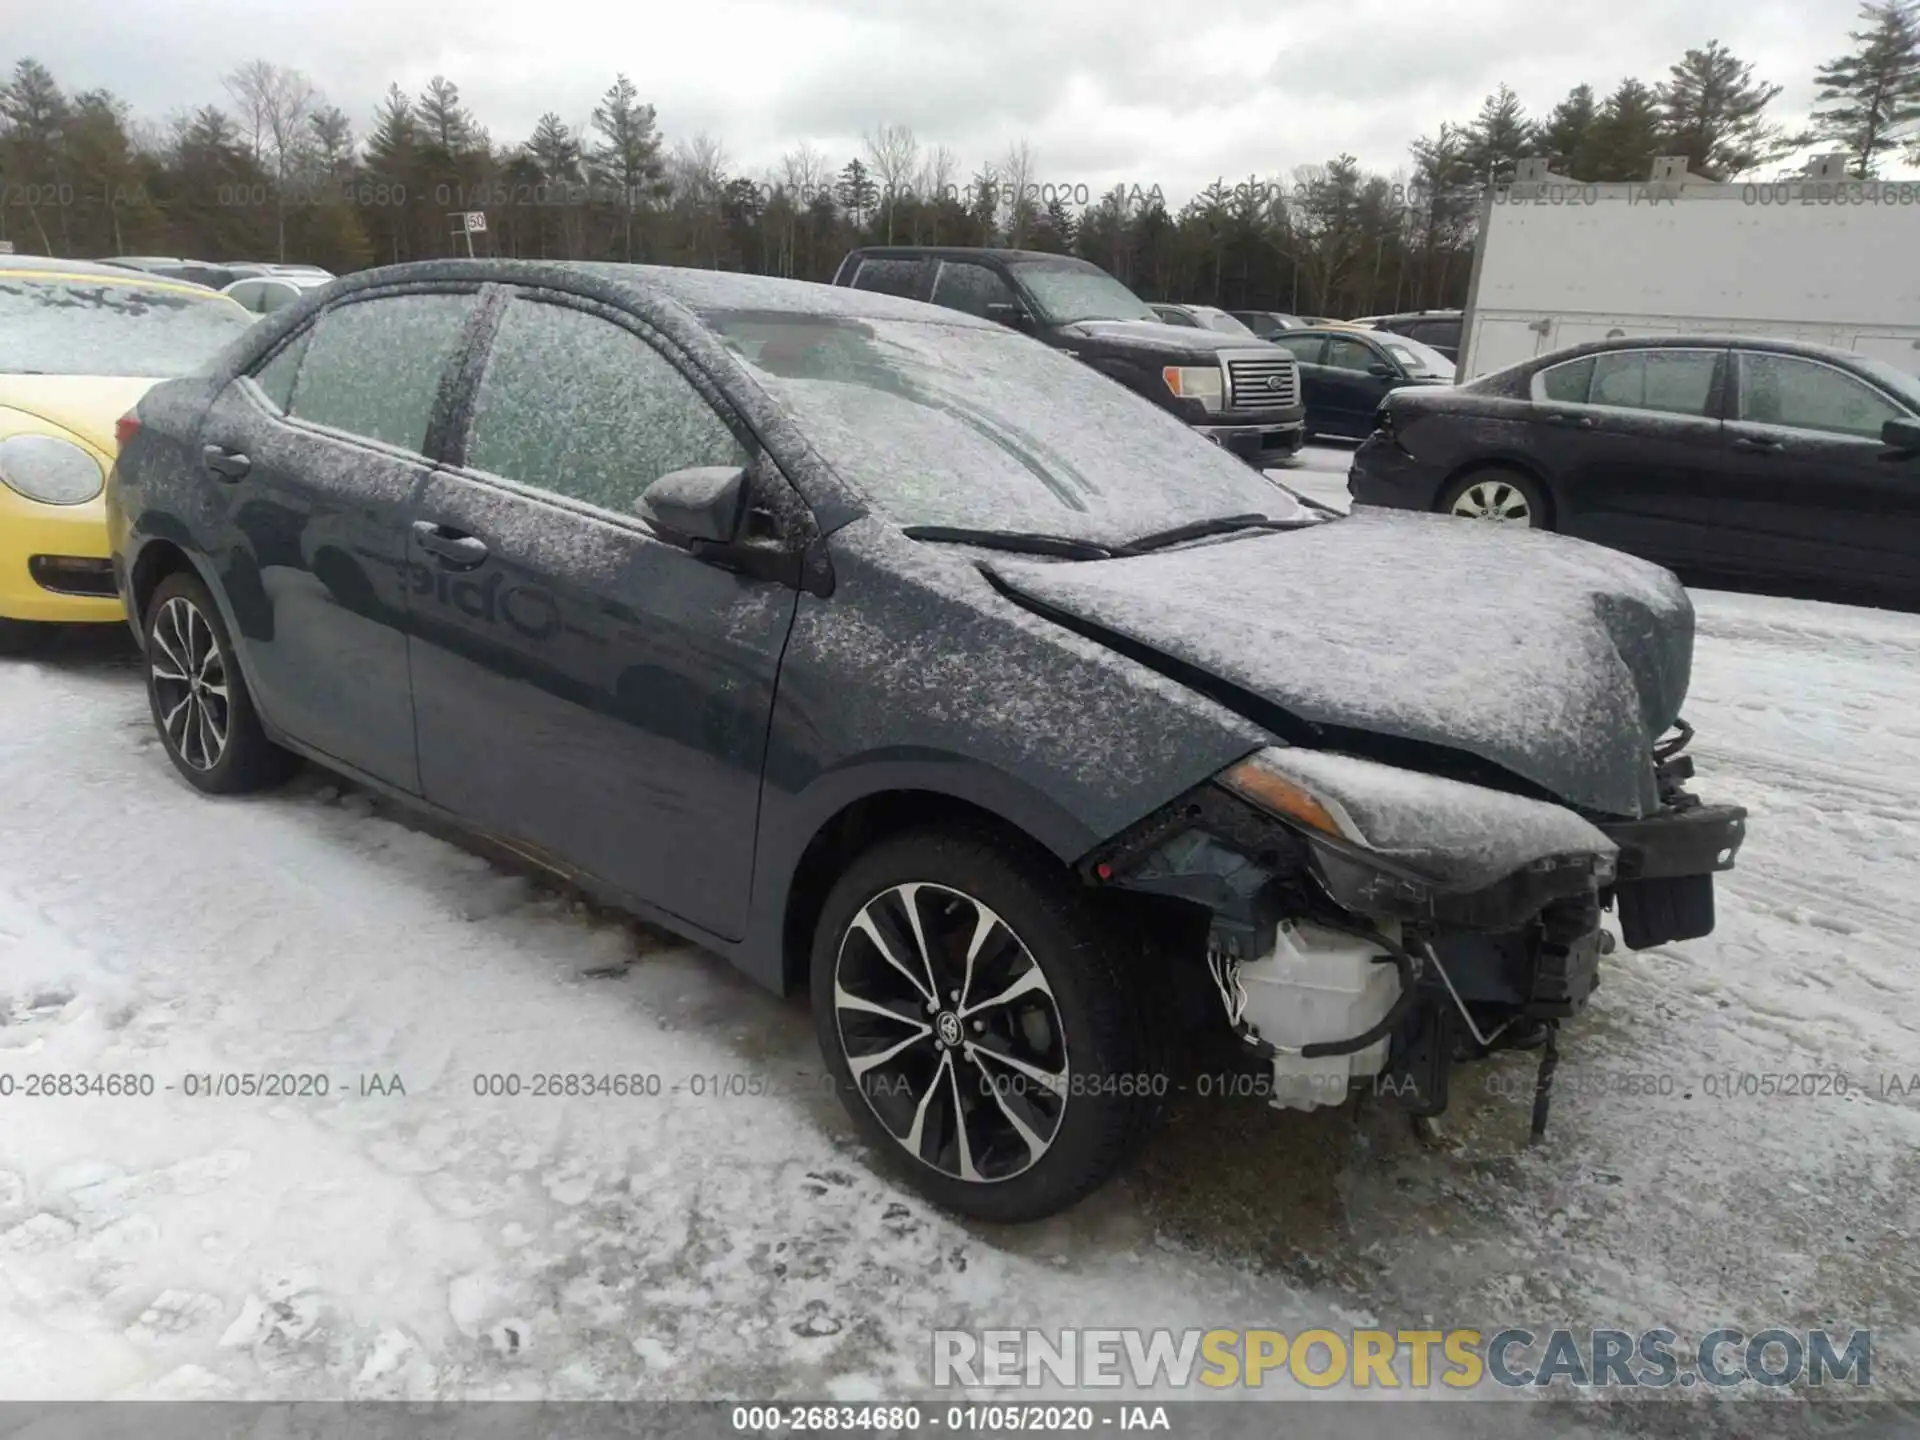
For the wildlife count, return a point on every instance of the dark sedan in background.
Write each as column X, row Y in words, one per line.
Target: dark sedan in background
column 1730, row 456
column 1345, row 373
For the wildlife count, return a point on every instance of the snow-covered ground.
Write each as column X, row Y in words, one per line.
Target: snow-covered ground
column 437, row 1243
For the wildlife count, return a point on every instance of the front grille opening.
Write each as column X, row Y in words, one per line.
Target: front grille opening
column 1263, row 384
column 73, row 575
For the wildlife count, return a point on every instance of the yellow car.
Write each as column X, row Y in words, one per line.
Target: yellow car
column 79, row 344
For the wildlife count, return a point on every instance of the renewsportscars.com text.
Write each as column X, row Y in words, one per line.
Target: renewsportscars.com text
column 1372, row 1359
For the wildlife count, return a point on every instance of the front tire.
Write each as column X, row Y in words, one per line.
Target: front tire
column 199, row 698
column 984, row 1029
column 1499, row 494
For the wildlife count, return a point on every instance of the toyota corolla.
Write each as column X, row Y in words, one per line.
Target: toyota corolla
column 887, row 652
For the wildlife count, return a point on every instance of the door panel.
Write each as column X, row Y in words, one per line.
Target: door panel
column 584, row 688
column 1350, row 395
column 1636, row 463
column 1812, row 492
column 1314, row 389
column 596, row 694
column 315, row 563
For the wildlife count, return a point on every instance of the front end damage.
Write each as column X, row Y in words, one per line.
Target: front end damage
column 1372, row 927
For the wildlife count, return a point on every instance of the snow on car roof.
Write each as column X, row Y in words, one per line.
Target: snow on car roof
column 713, row 290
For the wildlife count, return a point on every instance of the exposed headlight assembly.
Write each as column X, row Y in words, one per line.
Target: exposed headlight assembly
column 1395, row 842
column 50, row 470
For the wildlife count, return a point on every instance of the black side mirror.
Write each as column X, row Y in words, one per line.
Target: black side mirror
column 704, row 502
column 1901, row 436
column 1381, row 370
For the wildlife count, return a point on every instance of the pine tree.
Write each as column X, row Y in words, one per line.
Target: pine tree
column 554, row 149
column 395, row 136
column 1710, row 111
column 1626, row 136
column 118, row 213
column 33, row 110
column 857, row 192
column 1567, row 135
column 1498, row 136
column 1869, row 98
column 627, row 161
column 447, row 125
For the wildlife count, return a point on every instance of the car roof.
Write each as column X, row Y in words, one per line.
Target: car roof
column 92, row 270
column 1697, row 342
column 962, row 252
column 68, row 267
column 692, row 290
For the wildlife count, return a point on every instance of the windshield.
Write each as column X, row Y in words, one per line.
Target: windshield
column 1220, row 320
column 106, row 327
column 984, row 429
column 1418, row 359
column 1066, row 293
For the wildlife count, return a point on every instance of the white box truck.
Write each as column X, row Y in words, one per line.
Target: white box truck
column 1818, row 257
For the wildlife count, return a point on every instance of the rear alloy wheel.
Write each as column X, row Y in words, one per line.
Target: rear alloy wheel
column 199, row 698
column 1505, row 497
column 980, row 1026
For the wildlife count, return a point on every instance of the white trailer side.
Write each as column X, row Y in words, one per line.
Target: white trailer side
column 1830, row 261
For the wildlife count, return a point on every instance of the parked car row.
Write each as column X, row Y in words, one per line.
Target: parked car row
column 262, row 286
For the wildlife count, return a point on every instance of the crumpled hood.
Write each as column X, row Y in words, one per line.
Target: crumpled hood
column 1558, row 661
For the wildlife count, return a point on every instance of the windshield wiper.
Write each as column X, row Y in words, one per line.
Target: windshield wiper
column 1202, row 529
column 1021, row 542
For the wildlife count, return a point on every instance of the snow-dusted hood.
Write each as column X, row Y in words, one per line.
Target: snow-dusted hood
column 1558, row 661
column 1155, row 336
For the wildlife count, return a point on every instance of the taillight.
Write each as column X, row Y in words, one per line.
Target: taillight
column 125, row 428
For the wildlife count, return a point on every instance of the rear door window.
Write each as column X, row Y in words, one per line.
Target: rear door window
column 373, row 368
column 1668, row 382
column 889, row 277
column 1566, row 384
column 276, row 377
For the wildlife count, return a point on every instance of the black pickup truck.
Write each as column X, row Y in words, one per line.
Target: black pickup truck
column 1242, row 393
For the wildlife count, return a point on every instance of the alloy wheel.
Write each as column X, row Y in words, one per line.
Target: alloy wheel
column 190, row 686
column 1495, row 500
column 951, row 1032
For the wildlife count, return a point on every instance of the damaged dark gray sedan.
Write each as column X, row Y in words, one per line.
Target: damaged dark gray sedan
column 892, row 654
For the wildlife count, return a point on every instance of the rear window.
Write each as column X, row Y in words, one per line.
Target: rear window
column 1568, row 384
column 1433, row 332
column 106, row 327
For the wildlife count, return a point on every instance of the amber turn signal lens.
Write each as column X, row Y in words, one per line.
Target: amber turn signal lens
column 1274, row 792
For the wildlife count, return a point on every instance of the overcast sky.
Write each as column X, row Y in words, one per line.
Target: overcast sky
column 1135, row 92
